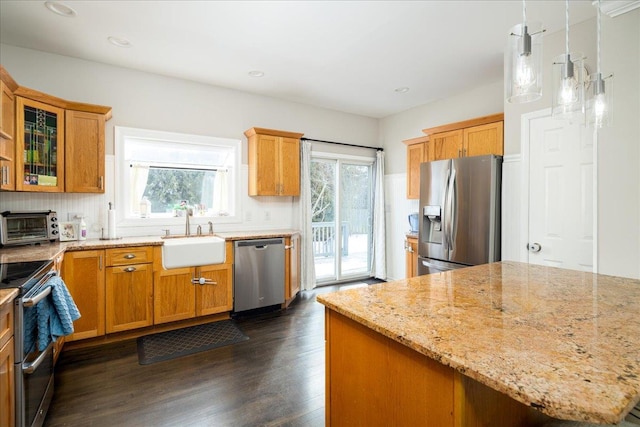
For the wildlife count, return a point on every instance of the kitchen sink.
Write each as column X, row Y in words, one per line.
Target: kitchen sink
column 192, row 251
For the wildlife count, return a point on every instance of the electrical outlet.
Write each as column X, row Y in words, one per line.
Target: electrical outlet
column 267, row 216
column 74, row 216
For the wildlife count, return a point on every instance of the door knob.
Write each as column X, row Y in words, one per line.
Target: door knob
column 534, row 247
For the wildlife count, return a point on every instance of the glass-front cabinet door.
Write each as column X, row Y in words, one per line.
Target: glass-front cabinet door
column 39, row 146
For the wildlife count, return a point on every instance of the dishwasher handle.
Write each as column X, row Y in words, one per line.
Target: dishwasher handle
column 259, row 243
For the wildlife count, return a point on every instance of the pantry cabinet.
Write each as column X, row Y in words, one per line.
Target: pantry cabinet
column 274, row 162
column 83, row 273
column 129, row 289
column 186, row 293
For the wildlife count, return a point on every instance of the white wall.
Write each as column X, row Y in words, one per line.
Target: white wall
column 618, row 157
column 150, row 101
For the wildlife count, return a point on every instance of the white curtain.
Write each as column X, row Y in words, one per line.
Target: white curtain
column 379, row 267
column 139, row 176
column 308, row 268
column 221, row 192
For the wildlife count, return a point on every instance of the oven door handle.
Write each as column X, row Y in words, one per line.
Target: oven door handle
column 30, row 302
column 30, row 368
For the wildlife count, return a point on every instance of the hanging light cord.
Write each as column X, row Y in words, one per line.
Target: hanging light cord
column 566, row 34
column 524, row 13
column 598, row 42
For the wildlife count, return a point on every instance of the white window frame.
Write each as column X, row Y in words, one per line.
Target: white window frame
column 123, row 186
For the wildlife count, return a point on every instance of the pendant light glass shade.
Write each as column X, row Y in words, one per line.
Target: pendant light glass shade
column 523, row 63
column 600, row 104
column 568, row 76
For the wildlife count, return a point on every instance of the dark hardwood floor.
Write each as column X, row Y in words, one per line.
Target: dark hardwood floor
column 276, row 378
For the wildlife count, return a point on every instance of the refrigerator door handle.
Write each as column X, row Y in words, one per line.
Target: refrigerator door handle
column 449, row 206
column 451, row 211
column 445, row 212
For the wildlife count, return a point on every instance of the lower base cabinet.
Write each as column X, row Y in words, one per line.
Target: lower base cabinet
column 185, row 293
column 7, row 393
column 129, row 297
column 411, row 256
column 83, row 273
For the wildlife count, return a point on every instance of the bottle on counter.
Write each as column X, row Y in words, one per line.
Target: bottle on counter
column 145, row 207
column 82, row 229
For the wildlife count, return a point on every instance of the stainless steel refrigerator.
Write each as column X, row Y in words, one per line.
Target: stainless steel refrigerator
column 459, row 213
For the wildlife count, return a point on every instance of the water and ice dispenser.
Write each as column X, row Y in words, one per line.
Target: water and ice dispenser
column 432, row 224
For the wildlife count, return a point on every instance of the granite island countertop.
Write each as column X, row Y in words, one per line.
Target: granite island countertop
column 562, row 341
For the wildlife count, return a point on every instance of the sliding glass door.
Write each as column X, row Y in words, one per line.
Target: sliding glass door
column 341, row 198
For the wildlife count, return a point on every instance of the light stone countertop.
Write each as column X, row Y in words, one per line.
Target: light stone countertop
column 563, row 341
column 47, row 251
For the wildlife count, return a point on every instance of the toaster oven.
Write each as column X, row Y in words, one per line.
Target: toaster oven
column 21, row 228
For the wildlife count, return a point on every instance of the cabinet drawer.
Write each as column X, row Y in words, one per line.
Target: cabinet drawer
column 126, row 256
column 6, row 322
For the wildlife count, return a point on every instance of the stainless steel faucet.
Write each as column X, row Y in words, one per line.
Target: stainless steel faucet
column 210, row 227
column 188, row 212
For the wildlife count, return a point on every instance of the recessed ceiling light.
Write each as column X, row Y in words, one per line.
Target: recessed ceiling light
column 403, row 89
column 119, row 41
column 256, row 73
column 60, row 9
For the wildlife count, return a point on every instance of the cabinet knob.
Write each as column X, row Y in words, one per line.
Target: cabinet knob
column 130, row 269
column 129, row 256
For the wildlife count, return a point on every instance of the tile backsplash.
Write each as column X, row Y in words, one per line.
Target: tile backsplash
column 256, row 213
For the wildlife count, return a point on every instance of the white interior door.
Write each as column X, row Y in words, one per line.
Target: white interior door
column 561, row 202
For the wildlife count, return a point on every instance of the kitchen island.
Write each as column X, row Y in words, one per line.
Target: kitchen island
column 502, row 344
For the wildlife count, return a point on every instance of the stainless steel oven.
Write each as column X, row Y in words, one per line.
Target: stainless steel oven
column 33, row 367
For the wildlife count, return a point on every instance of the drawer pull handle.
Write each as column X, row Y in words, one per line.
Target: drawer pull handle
column 130, row 269
column 129, row 256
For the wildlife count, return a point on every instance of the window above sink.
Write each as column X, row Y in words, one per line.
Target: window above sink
column 169, row 172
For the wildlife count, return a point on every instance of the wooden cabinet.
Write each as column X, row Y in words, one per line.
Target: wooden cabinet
column 48, row 144
column 7, row 131
column 404, row 387
column 185, row 293
column 39, row 146
column 84, row 152
column 128, row 289
column 292, row 271
column 417, row 152
column 411, row 255
column 7, row 390
column 475, row 137
column 7, row 387
column 274, row 162
column 83, row 273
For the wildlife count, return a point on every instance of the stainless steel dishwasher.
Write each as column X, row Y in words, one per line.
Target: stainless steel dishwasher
column 258, row 273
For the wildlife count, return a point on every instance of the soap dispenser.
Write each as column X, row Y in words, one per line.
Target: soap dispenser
column 82, row 229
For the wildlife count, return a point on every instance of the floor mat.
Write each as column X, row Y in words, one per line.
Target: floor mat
column 181, row 342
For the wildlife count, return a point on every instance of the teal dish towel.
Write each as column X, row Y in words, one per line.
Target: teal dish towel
column 57, row 314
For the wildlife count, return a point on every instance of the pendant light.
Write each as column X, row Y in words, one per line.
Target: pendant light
column 523, row 61
column 599, row 111
column 568, row 81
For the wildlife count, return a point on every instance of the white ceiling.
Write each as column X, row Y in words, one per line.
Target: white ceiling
column 341, row 55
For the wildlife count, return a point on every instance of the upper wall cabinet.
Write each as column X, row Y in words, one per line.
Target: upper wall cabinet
column 417, row 152
column 274, row 162
column 57, row 146
column 7, row 131
column 40, row 139
column 476, row 137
